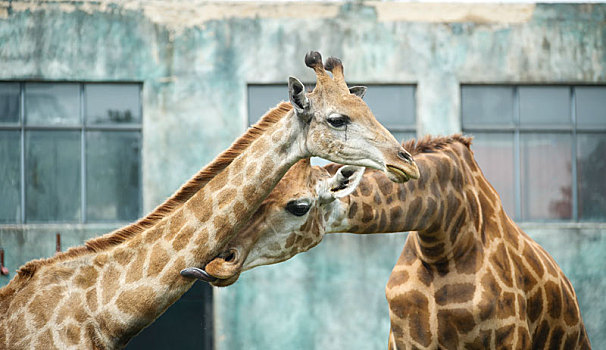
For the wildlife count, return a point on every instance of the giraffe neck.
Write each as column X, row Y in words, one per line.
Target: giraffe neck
column 198, row 230
column 117, row 291
column 445, row 206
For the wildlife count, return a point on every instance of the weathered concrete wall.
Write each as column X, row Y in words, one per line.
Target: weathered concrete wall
column 195, row 60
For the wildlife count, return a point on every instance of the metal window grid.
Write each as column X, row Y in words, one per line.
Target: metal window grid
column 82, row 127
column 518, row 129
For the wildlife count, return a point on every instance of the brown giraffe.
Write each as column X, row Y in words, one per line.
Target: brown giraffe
column 468, row 278
column 103, row 293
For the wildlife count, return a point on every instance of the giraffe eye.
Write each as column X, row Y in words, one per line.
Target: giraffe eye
column 338, row 121
column 298, row 208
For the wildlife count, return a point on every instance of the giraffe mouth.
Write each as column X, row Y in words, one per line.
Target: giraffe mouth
column 401, row 175
column 221, row 271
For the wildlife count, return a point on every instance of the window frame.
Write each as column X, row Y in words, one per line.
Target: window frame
column 402, row 128
column 82, row 127
column 572, row 129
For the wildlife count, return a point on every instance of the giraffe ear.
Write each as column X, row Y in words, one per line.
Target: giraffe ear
column 359, row 91
column 342, row 183
column 298, row 99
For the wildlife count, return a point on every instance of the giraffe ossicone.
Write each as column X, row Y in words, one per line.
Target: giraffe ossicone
column 103, row 293
column 468, row 276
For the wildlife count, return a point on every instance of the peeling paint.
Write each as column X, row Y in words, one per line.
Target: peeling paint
column 453, row 12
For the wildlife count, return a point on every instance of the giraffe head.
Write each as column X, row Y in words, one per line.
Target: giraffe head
column 291, row 220
column 341, row 127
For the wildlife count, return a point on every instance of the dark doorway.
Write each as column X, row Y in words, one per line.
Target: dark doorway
column 187, row 324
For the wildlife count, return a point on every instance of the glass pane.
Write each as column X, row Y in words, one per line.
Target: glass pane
column 113, row 183
column 392, row 105
column 591, row 106
column 494, row 154
column 545, row 105
column 113, row 103
column 10, row 176
column 591, row 167
column 261, row 98
column 9, row 102
column 487, row 105
column 546, row 177
column 52, row 104
column 52, row 176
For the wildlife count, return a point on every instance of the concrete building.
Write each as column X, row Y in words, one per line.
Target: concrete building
column 107, row 107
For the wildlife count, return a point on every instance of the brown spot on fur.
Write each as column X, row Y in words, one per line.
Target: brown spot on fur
column 454, row 293
column 367, row 213
column 523, row 339
column 425, row 275
column 531, row 259
column 290, row 240
column 385, row 186
column 73, row 334
column 491, row 292
column 397, row 278
column 86, row 277
column 158, row 259
column 365, row 189
column 482, row 341
column 500, row 262
column 91, row 299
column 221, row 223
column 382, row 221
column 504, row 336
column 414, row 306
column 395, row 216
column 45, row 341
column 353, row 209
column 217, row 183
column 39, row 307
column 470, row 262
column 181, row 240
column 123, row 256
column 570, row 309
column 225, row 197
column 135, row 270
column 249, row 191
column 170, row 274
column 535, row 305
column 139, row 301
column 111, row 278
column 451, row 323
column 413, row 211
column 377, row 198
column 572, row 340
column 539, row 338
column 555, row 340
column 456, row 226
column 554, row 299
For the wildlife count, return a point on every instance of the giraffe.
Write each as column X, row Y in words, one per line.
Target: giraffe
column 468, row 276
column 102, row 294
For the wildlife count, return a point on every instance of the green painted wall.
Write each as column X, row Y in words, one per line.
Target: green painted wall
column 195, row 60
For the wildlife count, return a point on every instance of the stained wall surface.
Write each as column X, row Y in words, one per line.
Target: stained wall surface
column 195, row 60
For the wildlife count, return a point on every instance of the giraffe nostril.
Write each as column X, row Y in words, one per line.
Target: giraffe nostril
column 404, row 156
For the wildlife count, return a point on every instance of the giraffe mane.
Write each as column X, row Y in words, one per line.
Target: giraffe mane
column 429, row 144
column 181, row 196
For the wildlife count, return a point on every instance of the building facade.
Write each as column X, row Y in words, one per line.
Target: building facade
column 107, row 107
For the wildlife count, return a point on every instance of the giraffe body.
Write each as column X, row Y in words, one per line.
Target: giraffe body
column 102, row 294
column 468, row 276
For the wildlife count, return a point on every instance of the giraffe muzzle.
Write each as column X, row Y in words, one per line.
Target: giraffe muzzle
column 197, row 273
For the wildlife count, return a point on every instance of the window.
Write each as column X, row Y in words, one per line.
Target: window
column 393, row 105
column 70, row 152
column 541, row 147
